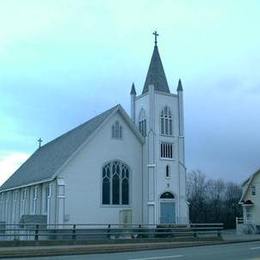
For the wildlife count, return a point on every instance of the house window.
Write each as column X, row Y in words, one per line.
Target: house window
column 166, row 150
column 253, row 191
column 142, row 122
column 115, row 184
column 167, row 172
column 116, row 130
column 166, row 121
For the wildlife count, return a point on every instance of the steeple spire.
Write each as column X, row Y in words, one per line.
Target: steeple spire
column 155, row 75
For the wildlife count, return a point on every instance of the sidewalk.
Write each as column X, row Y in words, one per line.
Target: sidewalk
column 27, row 251
column 231, row 235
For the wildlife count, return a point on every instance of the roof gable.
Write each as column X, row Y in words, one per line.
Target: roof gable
column 45, row 161
column 247, row 184
column 122, row 113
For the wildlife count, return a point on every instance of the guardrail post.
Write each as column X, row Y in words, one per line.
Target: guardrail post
column 74, row 232
column 172, row 234
column 36, row 236
column 108, row 230
column 139, row 231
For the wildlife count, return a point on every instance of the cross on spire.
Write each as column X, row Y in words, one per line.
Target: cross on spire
column 155, row 37
column 40, row 142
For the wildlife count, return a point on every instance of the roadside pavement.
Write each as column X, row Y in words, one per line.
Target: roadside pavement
column 229, row 236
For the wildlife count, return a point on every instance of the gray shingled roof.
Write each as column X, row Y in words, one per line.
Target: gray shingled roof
column 155, row 74
column 44, row 163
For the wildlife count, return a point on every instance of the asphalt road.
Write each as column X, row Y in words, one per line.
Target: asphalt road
column 248, row 250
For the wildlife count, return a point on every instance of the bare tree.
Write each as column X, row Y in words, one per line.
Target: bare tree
column 213, row 200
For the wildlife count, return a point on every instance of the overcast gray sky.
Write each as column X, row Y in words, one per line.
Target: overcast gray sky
column 62, row 62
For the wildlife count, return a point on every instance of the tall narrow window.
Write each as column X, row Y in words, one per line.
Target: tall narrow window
column 115, row 184
column 167, row 173
column 47, row 197
column 24, row 197
column 116, row 130
column 35, row 197
column 142, row 122
column 7, row 205
column 166, row 121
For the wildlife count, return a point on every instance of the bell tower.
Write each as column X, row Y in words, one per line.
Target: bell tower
column 158, row 114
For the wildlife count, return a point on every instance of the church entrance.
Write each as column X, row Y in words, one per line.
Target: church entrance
column 167, row 208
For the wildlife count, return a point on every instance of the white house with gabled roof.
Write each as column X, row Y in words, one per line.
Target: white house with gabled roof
column 250, row 200
column 112, row 169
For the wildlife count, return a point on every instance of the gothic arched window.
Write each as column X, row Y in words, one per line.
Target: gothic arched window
column 116, row 130
column 142, row 122
column 115, row 184
column 166, row 121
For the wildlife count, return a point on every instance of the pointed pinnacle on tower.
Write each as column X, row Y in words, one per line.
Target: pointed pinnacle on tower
column 179, row 88
column 133, row 92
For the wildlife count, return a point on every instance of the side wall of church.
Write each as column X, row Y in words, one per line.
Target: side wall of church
column 37, row 199
column 83, row 177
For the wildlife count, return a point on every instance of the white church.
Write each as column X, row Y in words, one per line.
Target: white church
column 113, row 168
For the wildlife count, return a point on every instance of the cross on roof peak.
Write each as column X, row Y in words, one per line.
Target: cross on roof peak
column 155, row 37
column 40, row 142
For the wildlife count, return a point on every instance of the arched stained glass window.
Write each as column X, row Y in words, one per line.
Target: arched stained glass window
column 142, row 122
column 166, row 121
column 115, row 184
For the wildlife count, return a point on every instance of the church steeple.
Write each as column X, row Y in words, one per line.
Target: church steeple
column 155, row 75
